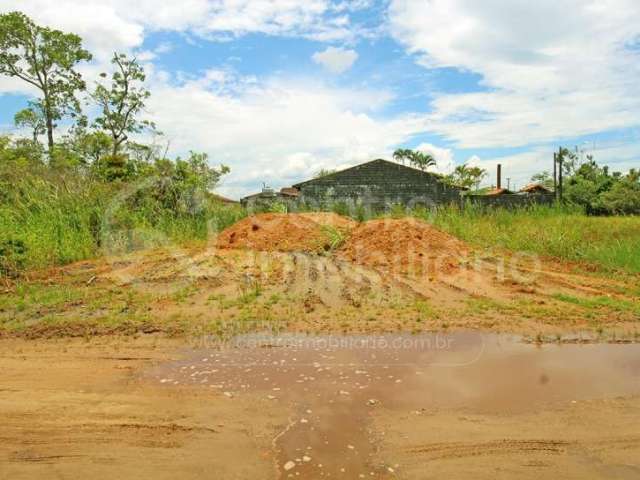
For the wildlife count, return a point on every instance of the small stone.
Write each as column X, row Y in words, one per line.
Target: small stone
column 289, row 465
column 228, row 394
column 306, row 459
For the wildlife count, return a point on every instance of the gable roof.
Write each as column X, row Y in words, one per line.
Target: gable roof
column 290, row 191
column 376, row 162
column 220, row 198
column 535, row 187
column 498, row 191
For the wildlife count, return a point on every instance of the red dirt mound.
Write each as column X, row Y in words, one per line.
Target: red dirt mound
column 404, row 246
column 330, row 219
column 283, row 232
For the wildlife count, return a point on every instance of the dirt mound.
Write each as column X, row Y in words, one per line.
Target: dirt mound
column 404, row 246
column 330, row 219
column 283, row 232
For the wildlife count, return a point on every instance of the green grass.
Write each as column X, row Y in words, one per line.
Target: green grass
column 609, row 242
column 601, row 302
column 335, row 237
column 51, row 222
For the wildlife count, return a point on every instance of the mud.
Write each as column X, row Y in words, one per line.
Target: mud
column 334, row 387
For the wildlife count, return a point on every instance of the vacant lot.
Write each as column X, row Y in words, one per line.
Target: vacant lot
column 150, row 386
column 324, row 273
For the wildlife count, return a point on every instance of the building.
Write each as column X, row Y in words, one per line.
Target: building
column 496, row 192
column 268, row 196
column 535, row 189
column 378, row 184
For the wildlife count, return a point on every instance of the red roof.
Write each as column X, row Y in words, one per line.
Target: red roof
column 498, row 191
column 290, row 191
column 535, row 187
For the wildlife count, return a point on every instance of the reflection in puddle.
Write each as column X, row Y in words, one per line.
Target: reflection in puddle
column 332, row 384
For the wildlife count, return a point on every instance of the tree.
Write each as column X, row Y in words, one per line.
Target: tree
column 91, row 146
column 624, row 195
column 45, row 59
column 421, row 160
column 477, row 174
column 401, row 155
column 122, row 101
column 416, row 158
column 544, row 179
column 466, row 176
column 182, row 185
column 32, row 119
column 586, row 185
column 323, row 172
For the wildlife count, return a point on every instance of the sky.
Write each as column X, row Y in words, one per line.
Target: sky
column 279, row 89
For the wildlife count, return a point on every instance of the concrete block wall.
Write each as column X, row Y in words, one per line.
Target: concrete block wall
column 378, row 184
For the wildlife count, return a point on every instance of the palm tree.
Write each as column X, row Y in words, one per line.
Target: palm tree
column 416, row 159
column 422, row 160
column 401, row 154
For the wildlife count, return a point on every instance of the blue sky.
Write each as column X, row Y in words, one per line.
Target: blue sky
column 279, row 89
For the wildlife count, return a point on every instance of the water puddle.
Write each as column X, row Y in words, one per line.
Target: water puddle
column 333, row 384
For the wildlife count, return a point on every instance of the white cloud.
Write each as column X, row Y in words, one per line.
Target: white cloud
column 276, row 131
column 443, row 157
column 551, row 69
column 336, row 60
column 108, row 25
column 517, row 169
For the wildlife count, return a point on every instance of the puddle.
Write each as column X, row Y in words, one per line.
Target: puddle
column 332, row 385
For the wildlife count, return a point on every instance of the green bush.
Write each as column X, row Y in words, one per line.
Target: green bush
column 52, row 216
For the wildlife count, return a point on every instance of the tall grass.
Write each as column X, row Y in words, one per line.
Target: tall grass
column 561, row 232
column 54, row 221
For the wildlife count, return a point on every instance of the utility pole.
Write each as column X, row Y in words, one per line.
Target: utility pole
column 555, row 175
column 560, row 162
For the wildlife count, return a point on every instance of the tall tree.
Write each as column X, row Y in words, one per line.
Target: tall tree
column 401, row 155
column 543, row 178
column 122, row 101
column 476, row 174
column 421, row 160
column 466, row 176
column 416, row 158
column 33, row 119
column 45, row 59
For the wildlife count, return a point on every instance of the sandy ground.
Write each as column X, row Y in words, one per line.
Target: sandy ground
column 186, row 292
column 72, row 409
column 100, row 380
column 590, row 439
column 78, row 409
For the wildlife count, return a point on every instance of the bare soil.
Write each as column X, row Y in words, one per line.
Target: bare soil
column 147, row 392
column 275, row 232
column 119, row 407
column 388, row 275
column 405, row 246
